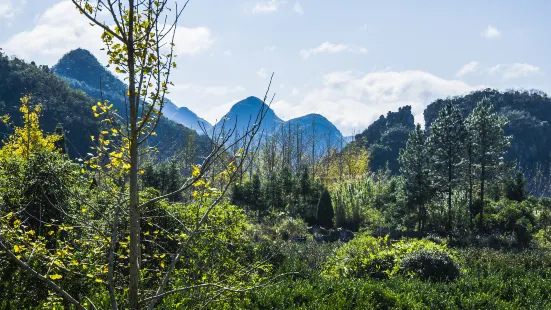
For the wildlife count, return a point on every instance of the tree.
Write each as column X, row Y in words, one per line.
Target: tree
column 325, row 213
column 414, row 166
column 486, row 131
column 515, row 189
column 446, row 152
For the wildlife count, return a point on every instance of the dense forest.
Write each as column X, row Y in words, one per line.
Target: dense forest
column 105, row 203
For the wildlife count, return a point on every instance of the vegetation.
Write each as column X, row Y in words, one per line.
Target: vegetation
column 450, row 216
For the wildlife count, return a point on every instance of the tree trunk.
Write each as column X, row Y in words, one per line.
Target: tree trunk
column 134, row 273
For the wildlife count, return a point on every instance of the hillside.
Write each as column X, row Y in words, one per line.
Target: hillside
column 385, row 137
column 60, row 103
column 82, row 71
column 529, row 115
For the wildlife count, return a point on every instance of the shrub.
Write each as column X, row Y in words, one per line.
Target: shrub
column 430, row 265
column 367, row 256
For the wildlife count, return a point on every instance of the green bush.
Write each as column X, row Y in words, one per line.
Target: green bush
column 367, row 256
column 430, row 265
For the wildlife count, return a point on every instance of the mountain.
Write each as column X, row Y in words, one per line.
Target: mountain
column 186, row 117
column 317, row 129
column 243, row 115
column 60, row 103
column 82, row 71
column 385, row 137
column 529, row 115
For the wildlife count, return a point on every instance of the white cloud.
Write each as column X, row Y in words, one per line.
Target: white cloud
column 468, row 68
column 491, row 32
column 270, row 6
column 328, row 47
column 295, row 91
column 192, row 41
column 511, row 71
column 298, row 8
column 61, row 28
column 353, row 101
column 270, row 48
column 228, row 52
column 262, row 73
column 363, row 27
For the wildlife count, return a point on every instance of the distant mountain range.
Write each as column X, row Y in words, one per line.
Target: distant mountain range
column 313, row 128
column 83, row 71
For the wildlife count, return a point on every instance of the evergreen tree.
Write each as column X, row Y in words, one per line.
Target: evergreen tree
column 515, row 189
column 325, row 213
column 446, row 152
column 486, row 129
column 414, row 166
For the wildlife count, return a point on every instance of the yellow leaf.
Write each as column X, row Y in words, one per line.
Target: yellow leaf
column 51, row 232
column 16, row 248
column 105, row 132
column 96, row 114
column 195, row 171
column 83, row 210
column 94, row 108
column 162, row 265
column 99, row 280
column 55, row 276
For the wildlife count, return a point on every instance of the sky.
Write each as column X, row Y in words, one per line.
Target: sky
column 349, row 60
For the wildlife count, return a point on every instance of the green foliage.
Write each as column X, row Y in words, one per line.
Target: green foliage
column 295, row 193
column 325, row 213
column 515, row 189
column 360, row 202
column 430, row 265
column 370, row 257
column 386, row 137
column 415, row 169
column 446, row 151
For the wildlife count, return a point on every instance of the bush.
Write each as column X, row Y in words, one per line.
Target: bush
column 366, row 256
column 430, row 265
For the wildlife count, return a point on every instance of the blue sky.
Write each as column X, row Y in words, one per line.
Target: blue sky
column 348, row 60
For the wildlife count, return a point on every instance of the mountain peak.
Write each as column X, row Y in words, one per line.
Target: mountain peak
column 81, row 65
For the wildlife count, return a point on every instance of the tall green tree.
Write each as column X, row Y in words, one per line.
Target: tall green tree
column 325, row 212
column 486, row 131
column 414, row 167
column 446, row 152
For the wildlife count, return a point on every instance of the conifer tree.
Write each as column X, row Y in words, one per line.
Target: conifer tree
column 486, row 129
column 414, row 167
column 325, row 212
column 446, row 151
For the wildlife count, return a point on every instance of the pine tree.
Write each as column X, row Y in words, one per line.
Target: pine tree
column 446, row 152
column 325, row 212
column 414, row 167
column 486, row 129
column 515, row 189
